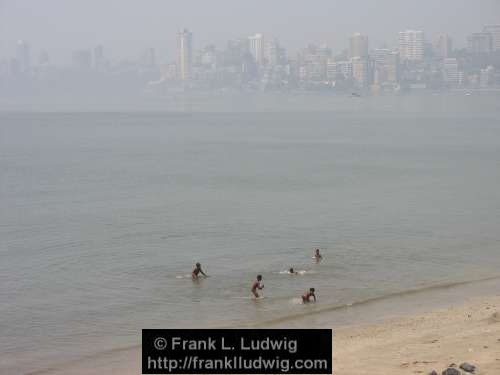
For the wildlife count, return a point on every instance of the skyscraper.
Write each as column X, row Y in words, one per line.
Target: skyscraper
column 358, row 45
column 494, row 30
column 478, row 43
column 450, row 71
column 99, row 57
column 360, row 71
column 442, row 46
column 23, row 56
column 411, row 45
column 256, row 47
column 184, row 54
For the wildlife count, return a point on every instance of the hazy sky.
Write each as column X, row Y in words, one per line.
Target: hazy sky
column 125, row 27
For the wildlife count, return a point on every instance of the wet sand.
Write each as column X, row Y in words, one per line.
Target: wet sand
column 467, row 331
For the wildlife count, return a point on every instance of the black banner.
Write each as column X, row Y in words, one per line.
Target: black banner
column 237, row 351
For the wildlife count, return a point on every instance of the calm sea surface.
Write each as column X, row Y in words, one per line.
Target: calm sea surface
column 103, row 214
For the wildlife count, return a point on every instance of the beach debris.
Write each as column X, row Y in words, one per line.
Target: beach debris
column 468, row 367
column 451, row 371
column 495, row 317
column 452, row 365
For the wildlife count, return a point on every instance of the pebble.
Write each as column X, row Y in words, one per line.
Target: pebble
column 468, row 367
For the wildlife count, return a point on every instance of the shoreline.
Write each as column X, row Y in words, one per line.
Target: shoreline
column 409, row 334
column 425, row 342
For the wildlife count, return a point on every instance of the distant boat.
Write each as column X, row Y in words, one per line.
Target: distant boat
column 468, row 94
column 356, row 95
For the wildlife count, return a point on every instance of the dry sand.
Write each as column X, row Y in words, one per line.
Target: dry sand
column 425, row 342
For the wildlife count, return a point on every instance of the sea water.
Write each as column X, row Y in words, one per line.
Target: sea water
column 103, row 216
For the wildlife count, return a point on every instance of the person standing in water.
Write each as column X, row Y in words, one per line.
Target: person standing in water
column 197, row 270
column 306, row 297
column 291, row 271
column 317, row 255
column 257, row 285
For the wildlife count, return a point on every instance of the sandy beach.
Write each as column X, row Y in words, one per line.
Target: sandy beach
column 419, row 344
column 463, row 332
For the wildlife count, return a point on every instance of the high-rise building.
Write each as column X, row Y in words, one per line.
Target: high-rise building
column 392, row 68
column 443, row 46
column 479, row 43
column 23, row 56
column 343, row 68
column 386, row 66
column 275, row 53
column 360, row 70
column 331, row 69
column 256, row 47
column 450, row 71
column 184, row 54
column 411, row 45
column 358, row 45
column 494, row 30
column 82, row 59
column 486, row 76
column 99, row 57
column 150, row 57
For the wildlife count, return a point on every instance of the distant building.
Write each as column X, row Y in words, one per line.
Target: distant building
column 184, row 54
column 443, row 46
column 82, row 59
column 386, row 69
column 43, row 58
column 99, row 57
column 275, row 54
column 331, row 69
column 256, row 47
column 379, row 55
column 450, row 71
column 486, row 76
column 149, row 57
column 494, row 30
column 358, row 45
column 345, row 68
column 479, row 43
column 392, row 68
column 360, row 71
column 168, row 72
column 23, row 56
column 411, row 45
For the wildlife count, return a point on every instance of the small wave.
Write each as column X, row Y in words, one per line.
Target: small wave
column 331, row 308
column 300, row 272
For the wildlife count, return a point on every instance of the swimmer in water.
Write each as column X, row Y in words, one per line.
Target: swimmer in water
column 291, row 271
column 257, row 285
column 197, row 270
column 306, row 297
column 317, row 255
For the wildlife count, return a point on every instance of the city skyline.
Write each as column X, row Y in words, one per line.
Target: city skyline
column 295, row 25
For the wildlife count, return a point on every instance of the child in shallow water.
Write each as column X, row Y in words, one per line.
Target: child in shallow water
column 306, row 297
column 257, row 285
column 197, row 270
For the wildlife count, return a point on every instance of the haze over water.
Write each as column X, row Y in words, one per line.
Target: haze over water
column 103, row 212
